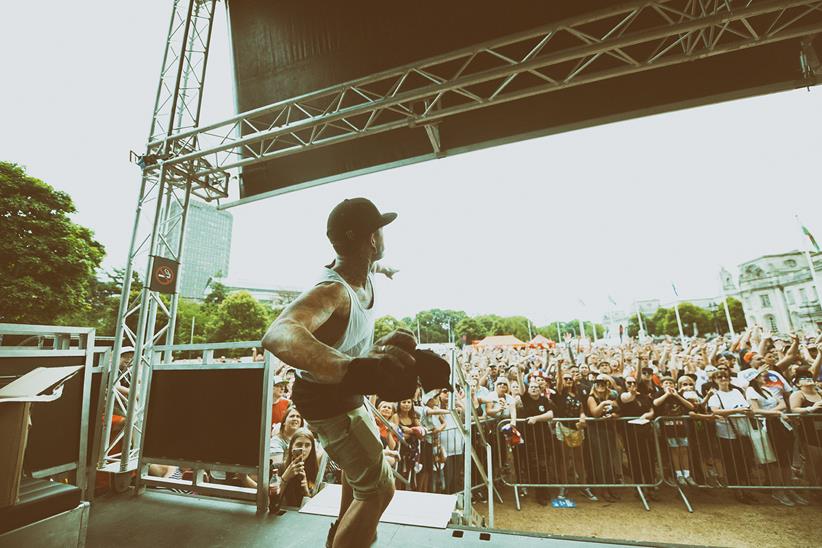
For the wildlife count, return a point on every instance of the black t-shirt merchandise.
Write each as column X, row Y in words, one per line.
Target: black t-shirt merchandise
column 568, row 404
column 533, row 407
column 636, row 408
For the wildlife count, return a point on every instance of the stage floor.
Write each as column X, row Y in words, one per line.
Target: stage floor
column 159, row 519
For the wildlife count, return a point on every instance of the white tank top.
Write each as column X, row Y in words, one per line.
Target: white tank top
column 358, row 337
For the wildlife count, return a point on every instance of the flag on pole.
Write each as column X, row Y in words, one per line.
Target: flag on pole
column 810, row 237
column 675, row 291
column 612, row 301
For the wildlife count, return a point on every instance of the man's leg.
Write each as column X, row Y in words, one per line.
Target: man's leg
column 359, row 524
column 346, row 497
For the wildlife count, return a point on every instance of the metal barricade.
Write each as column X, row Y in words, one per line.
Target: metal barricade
column 776, row 453
column 605, row 453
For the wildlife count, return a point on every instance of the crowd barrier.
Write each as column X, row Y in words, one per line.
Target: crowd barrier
column 743, row 451
column 746, row 451
column 605, row 453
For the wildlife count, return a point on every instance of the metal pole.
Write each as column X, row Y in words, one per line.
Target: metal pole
column 466, row 492
column 145, row 306
column 489, row 459
column 728, row 316
column 679, row 324
column 191, row 339
column 725, row 305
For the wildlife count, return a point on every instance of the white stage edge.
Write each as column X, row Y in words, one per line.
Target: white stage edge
column 406, row 508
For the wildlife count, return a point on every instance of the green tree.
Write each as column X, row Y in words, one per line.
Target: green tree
column 47, row 262
column 216, row 296
column 433, row 324
column 737, row 316
column 386, row 324
column 240, row 317
column 469, row 330
column 191, row 314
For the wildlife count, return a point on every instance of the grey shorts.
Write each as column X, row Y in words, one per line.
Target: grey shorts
column 352, row 440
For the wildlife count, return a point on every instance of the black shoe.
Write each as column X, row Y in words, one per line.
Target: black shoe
column 329, row 540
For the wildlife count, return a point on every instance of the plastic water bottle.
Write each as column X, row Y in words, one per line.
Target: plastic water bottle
column 274, row 492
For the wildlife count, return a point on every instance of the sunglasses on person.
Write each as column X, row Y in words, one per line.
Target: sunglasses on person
column 647, row 371
column 568, row 378
column 630, row 382
column 722, row 377
column 687, row 384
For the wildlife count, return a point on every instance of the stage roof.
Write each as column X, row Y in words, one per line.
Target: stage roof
column 345, row 88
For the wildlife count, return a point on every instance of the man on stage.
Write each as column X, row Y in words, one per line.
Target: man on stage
column 327, row 335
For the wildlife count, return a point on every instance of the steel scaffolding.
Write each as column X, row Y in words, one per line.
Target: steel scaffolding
column 640, row 36
column 167, row 191
column 183, row 158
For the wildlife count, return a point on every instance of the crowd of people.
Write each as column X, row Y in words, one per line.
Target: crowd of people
column 743, row 412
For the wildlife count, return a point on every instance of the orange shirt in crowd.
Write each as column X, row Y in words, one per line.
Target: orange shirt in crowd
column 278, row 410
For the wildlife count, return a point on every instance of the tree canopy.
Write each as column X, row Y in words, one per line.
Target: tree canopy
column 663, row 321
column 47, row 261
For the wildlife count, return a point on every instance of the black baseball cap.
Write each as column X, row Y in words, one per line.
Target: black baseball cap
column 358, row 215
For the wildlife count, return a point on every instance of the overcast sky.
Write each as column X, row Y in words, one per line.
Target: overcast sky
column 529, row 228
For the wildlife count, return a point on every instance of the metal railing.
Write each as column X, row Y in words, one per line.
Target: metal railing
column 775, row 453
column 772, row 453
column 605, row 453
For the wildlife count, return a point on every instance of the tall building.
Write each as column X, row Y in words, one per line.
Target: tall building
column 207, row 248
column 777, row 292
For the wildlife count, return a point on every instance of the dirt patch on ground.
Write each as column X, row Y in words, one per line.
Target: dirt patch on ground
column 717, row 520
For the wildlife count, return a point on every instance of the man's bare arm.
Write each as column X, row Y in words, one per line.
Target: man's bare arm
column 291, row 336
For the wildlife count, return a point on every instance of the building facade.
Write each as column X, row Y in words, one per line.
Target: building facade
column 207, row 248
column 778, row 293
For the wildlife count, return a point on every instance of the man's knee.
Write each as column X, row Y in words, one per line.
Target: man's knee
column 387, row 492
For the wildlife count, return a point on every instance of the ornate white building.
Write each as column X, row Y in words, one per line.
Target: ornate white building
column 777, row 292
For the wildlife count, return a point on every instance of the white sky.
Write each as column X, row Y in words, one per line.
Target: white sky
column 527, row 228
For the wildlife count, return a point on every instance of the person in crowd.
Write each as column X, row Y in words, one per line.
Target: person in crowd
column 532, row 459
column 672, row 404
column 732, row 425
column 636, row 403
column 603, row 404
column 431, row 421
column 769, row 421
column 291, row 421
column 386, row 409
column 452, row 443
column 806, row 402
column 280, row 403
column 570, row 405
column 299, row 471
column 647, row 384
column 407, row 420
column 501, row 403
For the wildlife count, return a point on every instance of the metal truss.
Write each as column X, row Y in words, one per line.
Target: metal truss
column 610, row 43
column 166, row 192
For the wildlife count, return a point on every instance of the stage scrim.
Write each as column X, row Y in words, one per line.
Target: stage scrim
column 285, row 49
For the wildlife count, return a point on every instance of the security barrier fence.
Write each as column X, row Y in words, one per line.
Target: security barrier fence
column 780, row 454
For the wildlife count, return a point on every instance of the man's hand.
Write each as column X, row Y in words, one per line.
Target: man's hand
column 385, row 270
column 385, row 368
column 402, row 338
